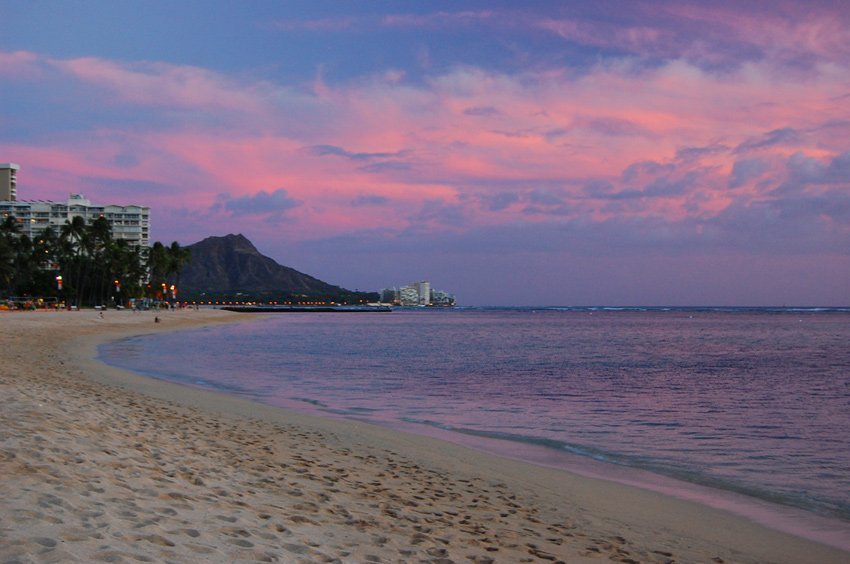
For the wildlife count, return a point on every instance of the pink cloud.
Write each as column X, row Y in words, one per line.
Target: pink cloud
column 675, row 106
column 549, row 145
column 642, row 39
column 22, row 64
column 437, row 19
column 791, row 29
column 321, row 24
column 161, row 84
column 348, row 23
column 790, row 36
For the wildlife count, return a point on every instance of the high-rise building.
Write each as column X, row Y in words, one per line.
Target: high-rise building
column 8, row 181
column 440, row 298
column 389, row 295
column 408, row 295
column 417, row 294
column 424, row 290
column 131, row 223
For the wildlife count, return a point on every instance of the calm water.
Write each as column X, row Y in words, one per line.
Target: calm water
column 750, row 401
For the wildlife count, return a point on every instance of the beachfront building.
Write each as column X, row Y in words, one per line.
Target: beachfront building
column 9, row 182
column 440, row 298
column 424, row 289
column 408, row 296
column 416, row 294
column 130, row 223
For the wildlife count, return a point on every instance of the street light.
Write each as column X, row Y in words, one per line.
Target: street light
column 59, row 288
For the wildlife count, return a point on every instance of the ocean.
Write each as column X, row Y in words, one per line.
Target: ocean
column 755, row 402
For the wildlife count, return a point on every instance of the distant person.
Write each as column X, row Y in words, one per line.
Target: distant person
column 156, row 319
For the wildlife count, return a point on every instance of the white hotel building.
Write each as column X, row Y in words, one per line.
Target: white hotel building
column 417, row 294
column 131, row 223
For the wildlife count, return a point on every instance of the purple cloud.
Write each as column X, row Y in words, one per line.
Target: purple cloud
column 482, row 111
column 369, row 200
column 695, row 153
column 784, row 136
column 323, row 150
column 499, row 201
column 745, row 170
column 439, row 212
column 261, row 203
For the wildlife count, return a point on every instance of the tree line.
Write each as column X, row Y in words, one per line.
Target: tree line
column 84, row 265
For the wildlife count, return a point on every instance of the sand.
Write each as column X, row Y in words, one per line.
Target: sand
column 100, row 465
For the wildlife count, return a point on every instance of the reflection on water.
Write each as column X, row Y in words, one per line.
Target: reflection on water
column 756, row 402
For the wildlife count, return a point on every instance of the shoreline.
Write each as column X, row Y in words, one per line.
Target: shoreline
column 758, row 505
column 295, row 487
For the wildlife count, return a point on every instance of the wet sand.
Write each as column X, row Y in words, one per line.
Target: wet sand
column 100, row 465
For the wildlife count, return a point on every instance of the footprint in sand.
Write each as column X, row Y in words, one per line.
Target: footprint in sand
column 46, row 542
column 242, row 542
column 156, row 539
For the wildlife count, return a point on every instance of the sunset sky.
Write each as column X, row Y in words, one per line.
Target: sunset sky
column 514, row 153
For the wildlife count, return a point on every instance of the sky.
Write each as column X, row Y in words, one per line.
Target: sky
column 512, row 153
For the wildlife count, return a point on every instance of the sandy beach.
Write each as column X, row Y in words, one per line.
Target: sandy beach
column 101, row 465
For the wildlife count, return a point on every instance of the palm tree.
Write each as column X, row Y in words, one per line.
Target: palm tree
column 100, row 279
column 9, row 231
column 45, row 262
column 90, row 261
column 24, row 265
column 17, row 274
column 158, row 264
column 9, row 226
column 7, row 263
column 75, row 245
column 177, row 258
column 44, row 248
column 127, row 269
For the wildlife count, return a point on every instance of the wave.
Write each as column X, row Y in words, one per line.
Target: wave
column 801, row 500
column 684, row 309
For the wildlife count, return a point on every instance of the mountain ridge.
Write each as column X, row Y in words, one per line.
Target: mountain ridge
column 229, row 265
